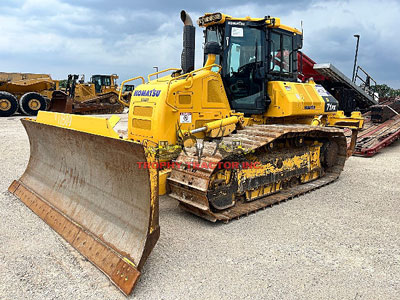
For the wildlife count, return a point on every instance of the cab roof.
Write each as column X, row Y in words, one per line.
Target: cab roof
column 218, row 18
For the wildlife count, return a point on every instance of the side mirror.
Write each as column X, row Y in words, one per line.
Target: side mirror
column 212, row 48
column 298, row 41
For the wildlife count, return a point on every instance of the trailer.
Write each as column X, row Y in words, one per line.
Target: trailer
column 377, row 133
column 382, row 116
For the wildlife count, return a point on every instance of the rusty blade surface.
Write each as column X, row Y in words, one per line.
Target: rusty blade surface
column 89, row 189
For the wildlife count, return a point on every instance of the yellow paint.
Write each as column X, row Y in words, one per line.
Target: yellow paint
column 294, row 99
column 162, row 179
column 164, row 108
column 154, row 187
column 122, row 87
column 5, row 104
column 156, row 107
column 113, row 120
column 221, row 123
column 19, row 84
column 89, row 124
column 34, row 104
column 309, row 159
column 129, row 262
column 355, row 121
column 271, row 22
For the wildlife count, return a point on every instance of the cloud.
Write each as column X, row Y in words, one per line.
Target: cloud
column 61, row 37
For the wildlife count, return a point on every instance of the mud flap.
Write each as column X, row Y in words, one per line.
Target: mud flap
column 89, row 189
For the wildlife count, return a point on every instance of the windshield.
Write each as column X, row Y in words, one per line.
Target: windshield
column 245, row 49
column 101, row 80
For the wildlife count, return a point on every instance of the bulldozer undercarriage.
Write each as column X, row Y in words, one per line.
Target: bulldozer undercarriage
column 276, row 163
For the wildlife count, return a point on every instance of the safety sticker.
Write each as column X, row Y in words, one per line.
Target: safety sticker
column 185, row 117
column 237, row 32
column 321, row 91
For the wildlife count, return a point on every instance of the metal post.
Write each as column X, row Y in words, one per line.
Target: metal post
column 355, row 58
column 156, row 68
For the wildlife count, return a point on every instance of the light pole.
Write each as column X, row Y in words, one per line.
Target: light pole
column 156, row 68
column 357, row 36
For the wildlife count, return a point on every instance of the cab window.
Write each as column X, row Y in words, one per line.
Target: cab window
column 281, row 56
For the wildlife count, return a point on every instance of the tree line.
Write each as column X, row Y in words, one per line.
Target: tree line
column 385, row 91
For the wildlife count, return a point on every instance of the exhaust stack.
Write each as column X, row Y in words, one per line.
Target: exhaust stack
column 189, row 33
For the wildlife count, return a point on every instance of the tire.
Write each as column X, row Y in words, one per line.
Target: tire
column 8, row 104
column 31, row 103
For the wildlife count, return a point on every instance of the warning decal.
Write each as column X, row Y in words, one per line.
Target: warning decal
column 185, row 117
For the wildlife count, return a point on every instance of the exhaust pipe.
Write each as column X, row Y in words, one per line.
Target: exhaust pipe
column 189, row 33
column 186, row 19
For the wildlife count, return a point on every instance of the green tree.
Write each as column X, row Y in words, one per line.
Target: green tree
column 63, row 83
column 385, row 91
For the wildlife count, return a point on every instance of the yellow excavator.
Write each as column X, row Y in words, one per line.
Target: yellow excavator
column 237, row 135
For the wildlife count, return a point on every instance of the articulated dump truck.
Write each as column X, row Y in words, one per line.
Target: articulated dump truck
column 25, row 92
column 225, row 140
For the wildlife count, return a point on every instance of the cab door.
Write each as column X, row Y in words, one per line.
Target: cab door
column 244, row 67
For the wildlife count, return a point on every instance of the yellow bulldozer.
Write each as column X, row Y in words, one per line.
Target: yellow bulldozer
column 25, row 92
column 100, row 95
column 227, row 139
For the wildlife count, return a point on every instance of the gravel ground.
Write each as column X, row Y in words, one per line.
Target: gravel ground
column 339, row 242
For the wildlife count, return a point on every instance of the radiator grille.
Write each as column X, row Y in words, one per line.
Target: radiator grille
column 215, row 91
column 143, row 111
column 185, row 99
column 141, row 124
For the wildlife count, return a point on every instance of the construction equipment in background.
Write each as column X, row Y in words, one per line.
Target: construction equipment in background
column 99, row 96
column 26, row 92
column 126, row 92
column 381, row 128
column 382, row 120
column 232, row 137
column 351, row 96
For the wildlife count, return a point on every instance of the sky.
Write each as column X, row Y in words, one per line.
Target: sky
column 129, row 38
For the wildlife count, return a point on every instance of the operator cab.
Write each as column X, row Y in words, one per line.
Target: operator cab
column 253, row 52
column 128, row 88
column 102, row 80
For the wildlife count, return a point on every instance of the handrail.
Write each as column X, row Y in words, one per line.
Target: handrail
column 159, row 72
column 122, row 86
column 368, row 79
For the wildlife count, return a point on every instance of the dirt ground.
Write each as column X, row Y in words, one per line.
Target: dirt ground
column 339, row 242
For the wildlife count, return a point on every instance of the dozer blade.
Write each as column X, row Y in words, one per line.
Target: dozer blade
column 61, row 102
column 88, row 188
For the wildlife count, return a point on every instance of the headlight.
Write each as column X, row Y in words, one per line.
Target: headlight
column 209, row 18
